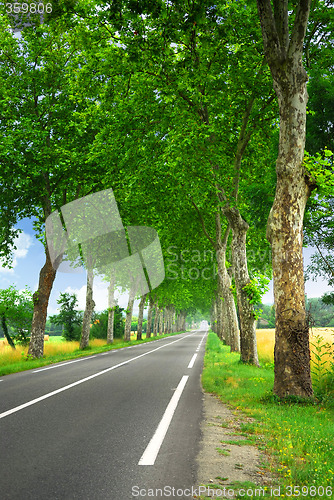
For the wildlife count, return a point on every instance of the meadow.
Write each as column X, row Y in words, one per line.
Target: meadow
column 56, row 349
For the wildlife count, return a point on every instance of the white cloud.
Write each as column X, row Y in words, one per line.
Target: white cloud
column 23, row 242
column 100, row 296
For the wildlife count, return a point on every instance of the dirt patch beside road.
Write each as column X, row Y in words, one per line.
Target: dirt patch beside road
column 227, row 464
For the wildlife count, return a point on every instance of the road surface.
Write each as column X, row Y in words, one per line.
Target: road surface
column 115, row 426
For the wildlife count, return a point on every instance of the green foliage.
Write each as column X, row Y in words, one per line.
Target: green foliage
column 266, row 315
column 328, row 299
column 319, row 168
column 68, row 316
column 321, row 311
column 16, row 310
column 322, row 369
column 100, row 324
column 255, row 289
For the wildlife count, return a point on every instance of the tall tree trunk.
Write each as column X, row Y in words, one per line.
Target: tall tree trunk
column 213, row 316
column 248, row 344
column 156, row 319
column 5, row 332
column 170, row 319
column 41, row 301
column 227, row 319
column 161, row 321
column 111, row 310
column 285, row 224
column 227, row 323
column 184, row 316
column 90, row 304
column 128, row 317
column 149, row 318
column 177, row 322
column 140, row 317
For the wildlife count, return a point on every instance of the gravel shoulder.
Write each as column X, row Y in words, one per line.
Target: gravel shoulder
column 226, row 465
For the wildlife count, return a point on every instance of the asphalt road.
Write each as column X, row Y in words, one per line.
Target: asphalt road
column 114, row 426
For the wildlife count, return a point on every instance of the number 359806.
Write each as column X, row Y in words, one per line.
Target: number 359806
column 28, row 8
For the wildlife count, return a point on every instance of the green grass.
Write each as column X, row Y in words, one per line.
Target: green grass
column 299, row 436
column 16, row 361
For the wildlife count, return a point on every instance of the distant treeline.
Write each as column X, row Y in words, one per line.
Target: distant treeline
column 321, row 314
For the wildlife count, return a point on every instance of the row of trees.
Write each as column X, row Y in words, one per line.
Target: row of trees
column 172, row 105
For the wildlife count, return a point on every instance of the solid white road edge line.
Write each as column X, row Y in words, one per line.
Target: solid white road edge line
column 66, row 387
column 150, row 454
column 192, row 361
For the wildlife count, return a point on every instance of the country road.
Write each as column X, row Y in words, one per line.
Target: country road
column 114, row 426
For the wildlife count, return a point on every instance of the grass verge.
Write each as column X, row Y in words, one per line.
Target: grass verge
column 56, row 350
column 298, row 435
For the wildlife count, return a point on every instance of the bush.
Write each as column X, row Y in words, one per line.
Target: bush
column 100, row 324
column 68, row 316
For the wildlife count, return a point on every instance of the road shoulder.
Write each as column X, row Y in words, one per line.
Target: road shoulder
column 222, row 465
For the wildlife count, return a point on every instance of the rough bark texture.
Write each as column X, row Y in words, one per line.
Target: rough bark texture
column 182, row 320
column 41, row 301
column 227, row 315
column 90, row 304
column 140, row 317
column 213, row 316
column 285, row 223
column 110, row 326
column 156, row 319
column 128, row 317
column 111, row 310
column 248, row 345
column 149, row 319
column 161, row 321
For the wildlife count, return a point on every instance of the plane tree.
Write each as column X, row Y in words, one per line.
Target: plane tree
column 200, row 91
column 44, row 146
column 284, row 32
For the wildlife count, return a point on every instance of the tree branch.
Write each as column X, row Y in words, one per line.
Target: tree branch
column 200, row 216
column 330, row 269
column 299, row 27
column 269, row 32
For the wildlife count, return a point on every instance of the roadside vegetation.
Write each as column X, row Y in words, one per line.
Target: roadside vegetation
column 57, row 349
column 296, row 433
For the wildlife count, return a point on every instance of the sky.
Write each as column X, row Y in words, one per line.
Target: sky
column 29, row 258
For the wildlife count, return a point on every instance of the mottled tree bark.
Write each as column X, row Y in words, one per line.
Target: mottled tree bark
column 149, row 318
column 156, row 319
column 128, row 317
column 41, row 301
column 213, row 316
column 183, row 320
column 140, row 317
column 90, row 304
column 228, row 322
column 111, row 310
column 285, row 224
column 248, row 345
